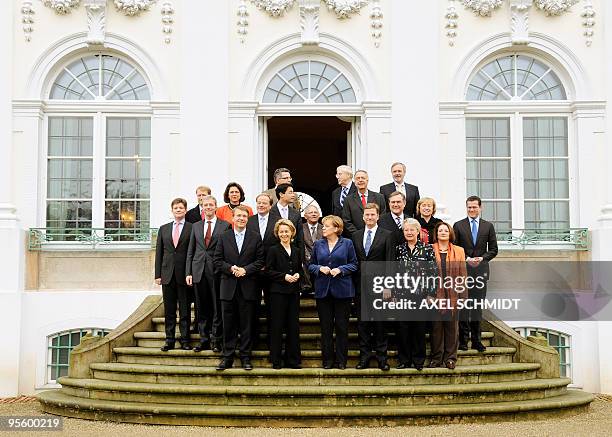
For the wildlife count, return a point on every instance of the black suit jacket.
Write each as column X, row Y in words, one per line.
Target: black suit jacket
column 412, row 196
column 200, row 256
column 352, row 213
column 486, row 244
column 193, row 215
column 269, row 239
column 169, row 260
column 386, row 222
column 279, row 264
column 296, row 219
column 336, row 207
column 251, row 258
column 382, row 249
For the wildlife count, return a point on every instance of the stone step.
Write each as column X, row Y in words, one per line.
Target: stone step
column 307, row 341
column 298, row 396
column 56, row 402
column 199, row 375
column 310, row 358
column 308, row 308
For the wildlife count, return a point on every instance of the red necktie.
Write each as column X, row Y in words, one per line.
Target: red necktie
column 208, row 233
column 363, row 201
column 202, row 214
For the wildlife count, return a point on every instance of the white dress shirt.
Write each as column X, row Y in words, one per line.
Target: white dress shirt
column 365, row 234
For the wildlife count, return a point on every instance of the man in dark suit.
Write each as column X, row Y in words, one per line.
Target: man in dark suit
column 352, row 211
column 283, row 209
column 478, row 239
column 196, row 213
column 372, row 243
column 393, row 220
column 344, row 174
column 410, row 192
column 281, row 176
column 170, row 259
column 239, row 257
column 201, row 273
column 312, row 230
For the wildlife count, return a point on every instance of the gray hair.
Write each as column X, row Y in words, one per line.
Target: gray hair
column 309, row 207
column 278, row 172
column 345, row 169
column 411, row 222
column 399, row 163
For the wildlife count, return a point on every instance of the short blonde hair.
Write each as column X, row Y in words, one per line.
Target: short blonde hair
column 204, row 188
column 284, row 222
column 423, row 200
column 336, row 221
column 412, row 222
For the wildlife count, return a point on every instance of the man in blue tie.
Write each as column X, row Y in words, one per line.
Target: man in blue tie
column 478, row 239
column 239, row 257
column 344, row 174
column 373, row 243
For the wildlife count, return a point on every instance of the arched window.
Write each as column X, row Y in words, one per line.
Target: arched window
column 515, row 77
column 100, row 77
column 98, row 158
column 309, row 82
column 517, row 160
column 59, row 347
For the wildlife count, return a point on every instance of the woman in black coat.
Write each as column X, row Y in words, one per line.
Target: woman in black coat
column 284, row 270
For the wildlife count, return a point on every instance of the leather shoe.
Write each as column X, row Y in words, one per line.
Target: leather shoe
column 419, row 367
column 167, row 347
column 341, row 366
column 450, row 364
column 462, row 347
column 225, row 364
column 295, row 366
column 215, row 347
column 246, row 364
column 403, row 366
column 277, row 366
column 185, row 346
column 434, row 364
column 363, row 364
column 201, row 347
column 479, row 346
column 384, row 365
column 327, row 366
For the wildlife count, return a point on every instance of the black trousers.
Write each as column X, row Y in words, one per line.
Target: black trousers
column 334, row 313
column 216, row 333
column 173, row 293
column 372, row 336
column 469, row 319
column 411, row 342
column 238, row 315
column 285, row 317
column 204, row 308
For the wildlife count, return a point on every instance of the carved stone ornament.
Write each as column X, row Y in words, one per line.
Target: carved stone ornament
column 275, row 8
column 309, row 21
column 62, row 7
column 243, row 20
column 554, row 7
column 588, row 21
column 167, row 12
column 27, row 20
column 133, row 7
column 344, row 8
column 452, row 22
column 96, row 21
column 519, row 21
column 377, row 23
column 484, row 8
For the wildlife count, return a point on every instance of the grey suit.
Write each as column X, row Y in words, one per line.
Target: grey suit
column 200, row 265
column 308, row 244
column 352, row 212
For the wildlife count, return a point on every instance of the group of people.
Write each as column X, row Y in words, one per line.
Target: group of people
column 227, row 257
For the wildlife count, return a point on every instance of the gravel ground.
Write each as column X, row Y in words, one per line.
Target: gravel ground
column 597, row 422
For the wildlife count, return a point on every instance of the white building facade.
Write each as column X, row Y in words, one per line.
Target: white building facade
column 109, row 109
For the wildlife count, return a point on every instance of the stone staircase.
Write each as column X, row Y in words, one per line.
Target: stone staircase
column 124, row 377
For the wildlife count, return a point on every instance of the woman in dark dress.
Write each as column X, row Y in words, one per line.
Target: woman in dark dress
column 426, row 208
column 284, row 270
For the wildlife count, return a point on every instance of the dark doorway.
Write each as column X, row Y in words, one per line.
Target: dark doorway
column 311, row 148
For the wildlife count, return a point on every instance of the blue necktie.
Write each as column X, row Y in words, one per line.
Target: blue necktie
column 368, row 243
column 474, row 232
column 239, row 242
column 343, row 195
